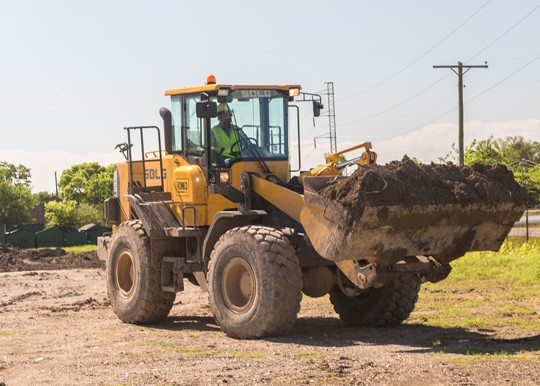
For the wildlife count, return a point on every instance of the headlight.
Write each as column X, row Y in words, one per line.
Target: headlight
column 224, row 177
column 294, row 92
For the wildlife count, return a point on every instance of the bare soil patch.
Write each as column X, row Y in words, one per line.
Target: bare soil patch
column 13, row 259
column 57, row 327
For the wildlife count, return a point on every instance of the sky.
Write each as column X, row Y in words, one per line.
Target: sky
column 73, row 74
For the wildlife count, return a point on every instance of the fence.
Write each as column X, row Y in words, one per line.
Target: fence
column 35, row 236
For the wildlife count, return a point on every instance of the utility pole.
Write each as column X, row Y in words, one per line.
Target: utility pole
column 56, row 183
column 460, row 74
column 331, row 116
column 331, row 119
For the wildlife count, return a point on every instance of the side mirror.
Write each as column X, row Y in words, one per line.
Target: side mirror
column 206, row 109
column 317, row 107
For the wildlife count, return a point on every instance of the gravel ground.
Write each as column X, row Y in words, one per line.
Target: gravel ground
column 57, row 327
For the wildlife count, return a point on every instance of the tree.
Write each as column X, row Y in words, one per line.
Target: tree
column 416, row 160
column 485, row 151
column 516, row 149
column 452, row 156
column 519, row 155
column 83, row 188
column 88, row 214
column 15, row 174
column 19, row 207
column 100, row 186
column 87, row 183
column 43, row 197
column 71, row 213
column 534, row 175
column 15, row 195
column 60, row 213
column 529, row 177
column 507, row 151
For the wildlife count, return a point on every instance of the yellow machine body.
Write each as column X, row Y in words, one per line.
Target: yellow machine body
column 188, row 186
column 232, row 218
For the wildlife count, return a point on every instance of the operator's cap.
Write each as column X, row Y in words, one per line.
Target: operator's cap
column 222, row 107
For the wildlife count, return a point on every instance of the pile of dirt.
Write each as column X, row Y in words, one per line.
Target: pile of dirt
column 407, row 183
column 13, row 259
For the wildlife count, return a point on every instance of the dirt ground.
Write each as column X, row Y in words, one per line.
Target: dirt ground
column 57, row 327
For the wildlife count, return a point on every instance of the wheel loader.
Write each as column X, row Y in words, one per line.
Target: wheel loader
column 256, row 235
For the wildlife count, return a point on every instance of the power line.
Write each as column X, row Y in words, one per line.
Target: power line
column 397, row 104
column 501, row 81
column 470, row 100
column 419, row 57
column 435, row 104
column 444, row 77
column 505, row 32
column 394, row 39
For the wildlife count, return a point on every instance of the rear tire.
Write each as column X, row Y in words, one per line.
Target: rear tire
column 385, row 306
column 254, row 282
column 133, row 284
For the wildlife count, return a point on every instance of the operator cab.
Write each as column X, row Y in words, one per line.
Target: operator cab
column 257, row 129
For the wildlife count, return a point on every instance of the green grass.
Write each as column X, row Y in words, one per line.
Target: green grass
column 132, row 355
column 472, row 357
column 311, row 355
column 530, row 226
column 516, row 262
column 81, row 248
column 73, row 249
column 247, row 354
column 186, row 351
column 486, row 290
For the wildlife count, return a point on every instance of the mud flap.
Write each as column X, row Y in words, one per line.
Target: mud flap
column 172, row 278
column 103, row 245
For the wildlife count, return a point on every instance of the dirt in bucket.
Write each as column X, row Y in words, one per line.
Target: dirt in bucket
column 408, row 183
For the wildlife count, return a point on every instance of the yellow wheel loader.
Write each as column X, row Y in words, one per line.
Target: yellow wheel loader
column 232, row 219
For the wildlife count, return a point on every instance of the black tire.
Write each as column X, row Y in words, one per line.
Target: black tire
column 133, row 283
column 254, row 282
column 385, row 306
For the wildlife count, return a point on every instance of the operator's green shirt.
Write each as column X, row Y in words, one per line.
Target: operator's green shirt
column 224, row 139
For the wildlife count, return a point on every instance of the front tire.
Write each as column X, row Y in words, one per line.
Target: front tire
column 254, row 282
column 385, row 306
column 133, row 283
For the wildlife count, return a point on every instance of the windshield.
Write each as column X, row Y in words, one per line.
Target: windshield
column 251, row 124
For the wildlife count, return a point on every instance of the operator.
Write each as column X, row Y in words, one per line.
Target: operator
column 224, row 135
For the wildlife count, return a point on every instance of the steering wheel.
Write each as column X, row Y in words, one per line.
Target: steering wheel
column 252, row 141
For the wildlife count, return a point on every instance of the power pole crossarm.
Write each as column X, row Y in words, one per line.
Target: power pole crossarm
column 460, row 66
column 465, row 66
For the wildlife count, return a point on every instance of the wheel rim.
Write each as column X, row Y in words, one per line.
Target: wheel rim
column 126, row 274
column 238, row 286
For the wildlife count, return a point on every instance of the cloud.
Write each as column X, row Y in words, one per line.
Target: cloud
column 431, row 142
column 427, row 144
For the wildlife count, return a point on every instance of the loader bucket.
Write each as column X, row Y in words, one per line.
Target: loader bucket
column 440, row 218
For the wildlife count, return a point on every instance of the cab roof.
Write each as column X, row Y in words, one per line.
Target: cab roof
column 216, row 87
